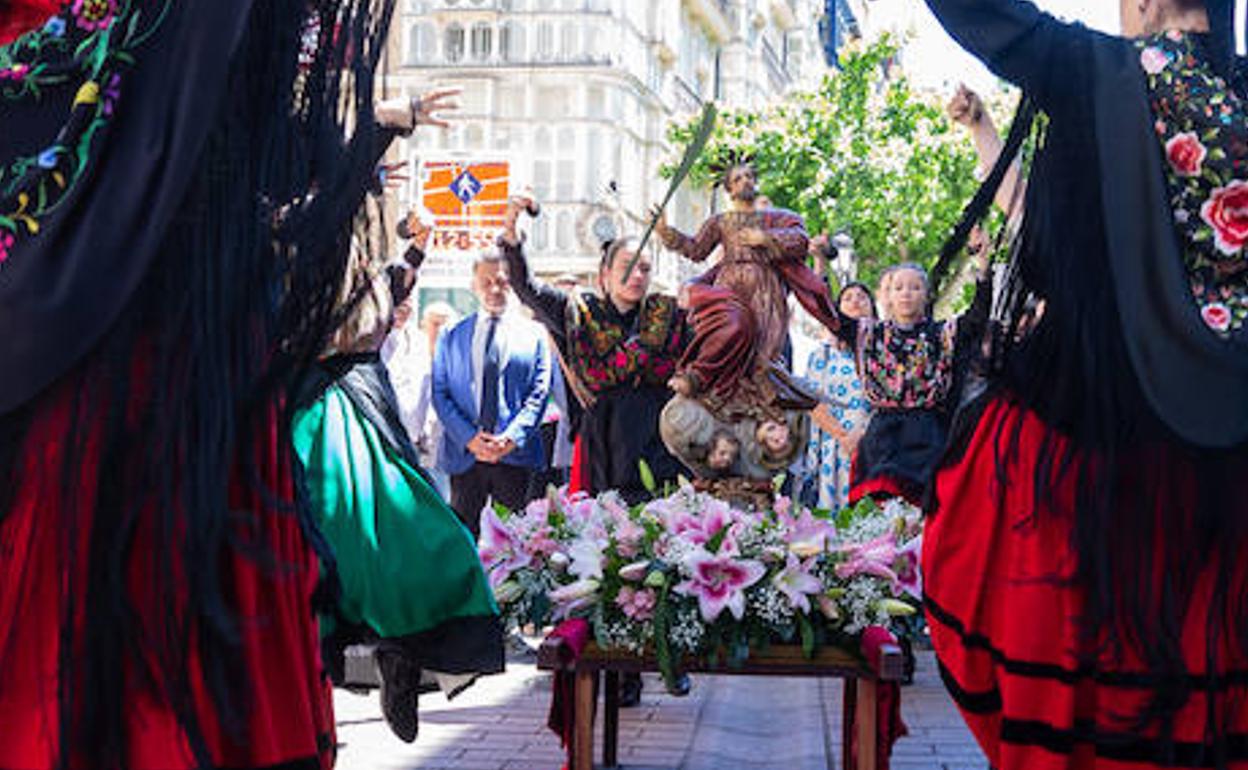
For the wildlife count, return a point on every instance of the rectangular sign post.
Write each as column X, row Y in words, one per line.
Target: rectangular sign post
column 467, row 201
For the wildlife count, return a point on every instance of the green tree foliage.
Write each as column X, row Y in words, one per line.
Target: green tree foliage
column 866, row 154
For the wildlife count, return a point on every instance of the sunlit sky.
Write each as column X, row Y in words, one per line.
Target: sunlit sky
column 935, row 60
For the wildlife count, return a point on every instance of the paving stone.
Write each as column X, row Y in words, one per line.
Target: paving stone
column 741, row 723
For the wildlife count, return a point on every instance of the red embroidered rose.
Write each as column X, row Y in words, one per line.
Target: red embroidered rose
column 1226, row 212
column 1216, row 316
column 1186, row 154
column 6, row 243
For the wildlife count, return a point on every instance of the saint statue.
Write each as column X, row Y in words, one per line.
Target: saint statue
column 739, row 308
column 732, row 377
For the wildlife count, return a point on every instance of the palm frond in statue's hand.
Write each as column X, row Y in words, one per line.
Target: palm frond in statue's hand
column 692, row 153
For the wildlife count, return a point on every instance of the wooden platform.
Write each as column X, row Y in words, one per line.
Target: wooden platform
column 859, row 716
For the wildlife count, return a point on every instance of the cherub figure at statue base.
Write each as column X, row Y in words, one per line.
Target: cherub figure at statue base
column 735, row 461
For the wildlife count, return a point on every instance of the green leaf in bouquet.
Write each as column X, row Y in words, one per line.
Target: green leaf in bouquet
column 662, row 639
column 808, row 636
column 503, row 511
column 647, row 476
column 717, row 540
column 777, row 482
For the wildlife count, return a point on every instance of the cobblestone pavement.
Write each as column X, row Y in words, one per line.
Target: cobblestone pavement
column 751, row 723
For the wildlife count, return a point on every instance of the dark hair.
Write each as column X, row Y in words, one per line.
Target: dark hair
column 612, row 248
column 875, row 311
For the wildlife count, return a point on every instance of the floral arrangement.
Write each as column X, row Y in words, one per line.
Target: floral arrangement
column 689, row 575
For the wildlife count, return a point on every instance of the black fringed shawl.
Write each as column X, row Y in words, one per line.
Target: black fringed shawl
column 183, row 186
column 1121, row 363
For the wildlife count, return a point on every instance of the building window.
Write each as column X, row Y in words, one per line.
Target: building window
column 542, row 183
column 541, row 234
column 474, row 137
column 564, row 231
column 542, row 143
column 454, row 43
column 545, row 41
column 565, row 180
column 593, row 164
column 511, row 42
column 567, row 41
column 482, row 41
column 592, row 42
column 420, row 44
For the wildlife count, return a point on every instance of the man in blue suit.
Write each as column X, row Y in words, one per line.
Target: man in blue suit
column 491, row 377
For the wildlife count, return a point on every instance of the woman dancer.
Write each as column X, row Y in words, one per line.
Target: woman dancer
column 408, row 568
column 156, row 578
column 1084, row 562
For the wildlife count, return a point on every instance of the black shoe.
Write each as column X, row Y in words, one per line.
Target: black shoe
column 630, row 691
column 400, row 682
column 680, row 686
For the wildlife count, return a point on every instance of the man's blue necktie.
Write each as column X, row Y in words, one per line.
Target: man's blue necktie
column 489, row 380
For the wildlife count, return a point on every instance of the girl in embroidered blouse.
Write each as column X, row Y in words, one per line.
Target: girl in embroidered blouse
column 906, row 366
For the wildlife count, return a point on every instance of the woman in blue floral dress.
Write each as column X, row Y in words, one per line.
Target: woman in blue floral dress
column 843, row 412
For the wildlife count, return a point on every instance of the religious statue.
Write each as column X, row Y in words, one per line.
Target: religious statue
column 733, row 368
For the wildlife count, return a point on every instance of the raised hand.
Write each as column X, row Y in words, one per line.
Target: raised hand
column 424, row 107
column 978, row 247
column 403, row 114
column 392, row 174
column 660, row 221
column 966, row 107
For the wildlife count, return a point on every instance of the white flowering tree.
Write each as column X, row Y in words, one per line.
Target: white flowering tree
column 865, row 154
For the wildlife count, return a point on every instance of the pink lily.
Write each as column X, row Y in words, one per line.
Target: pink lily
column 797, row 583
column 700, row 528
column 574, row 596
column 807, row 535
column 500, row 550
column 909, row 574
column 874, row 557
column 719, row 581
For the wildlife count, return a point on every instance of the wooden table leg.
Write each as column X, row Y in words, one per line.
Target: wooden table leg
column 583, row 738
column 866, row 723
column 611, row 720
column 849, row 701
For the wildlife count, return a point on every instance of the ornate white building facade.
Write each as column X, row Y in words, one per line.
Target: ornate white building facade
column 577, row 96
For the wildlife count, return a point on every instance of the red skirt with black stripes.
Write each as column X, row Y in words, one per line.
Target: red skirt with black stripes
column 1004, row 620
column 289, row 717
